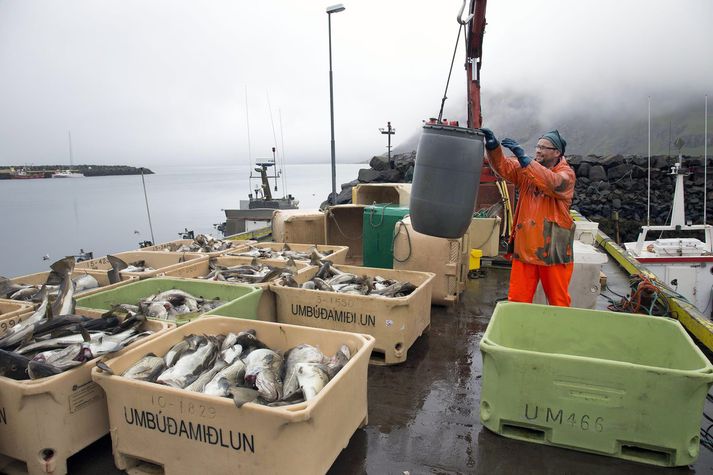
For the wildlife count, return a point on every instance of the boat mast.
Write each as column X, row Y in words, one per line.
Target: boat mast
column 705, row 161
column 247, row 126
column 283, row 169
column 648, row 192
column 678, row 210
column 71, row 161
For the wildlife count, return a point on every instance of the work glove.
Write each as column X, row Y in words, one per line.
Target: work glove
column 518, row 151
column 491, row 143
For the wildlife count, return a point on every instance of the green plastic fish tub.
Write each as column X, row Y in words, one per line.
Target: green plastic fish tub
column 45, row 421
column 266, row 307
column 617, row 384
column 193, row 433
column 242, row 300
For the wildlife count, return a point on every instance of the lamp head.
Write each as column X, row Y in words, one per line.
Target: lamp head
column 335, row 8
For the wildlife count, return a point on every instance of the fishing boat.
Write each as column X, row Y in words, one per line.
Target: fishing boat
column 25, row 174
column 68, row 173
column 256, row 212
column 681, row 260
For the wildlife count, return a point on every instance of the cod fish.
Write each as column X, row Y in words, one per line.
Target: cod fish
column 13, row 366
column 312, row 378
column 62, row 272
column 25, row 329
column 147, row 368
column 85, row 282
column 263, row 373
column 299, row 354
column 242, row 395
column 225, row 378
column 190, row 366
column 64, row 358
column 199, row 384
column 188, row 344
column 117, row 265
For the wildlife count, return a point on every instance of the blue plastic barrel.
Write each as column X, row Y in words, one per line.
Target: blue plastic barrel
column 445, row 180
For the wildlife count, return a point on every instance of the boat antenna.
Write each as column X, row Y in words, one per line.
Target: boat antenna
column 247, row 126
column 274, row 138
column 648, row 191
column 282, row 145
column 705, row 160
column 71, row 162
column 146, row 198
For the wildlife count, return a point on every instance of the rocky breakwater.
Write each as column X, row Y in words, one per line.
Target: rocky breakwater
column 605, row 185
column 379, row 171
column 617, row 184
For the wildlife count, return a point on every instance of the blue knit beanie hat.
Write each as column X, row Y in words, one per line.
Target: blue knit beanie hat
column 556, row 139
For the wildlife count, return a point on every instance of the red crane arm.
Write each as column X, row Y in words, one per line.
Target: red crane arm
column 474, row 58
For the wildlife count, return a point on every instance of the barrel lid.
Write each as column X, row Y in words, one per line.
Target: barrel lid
column 451, row 128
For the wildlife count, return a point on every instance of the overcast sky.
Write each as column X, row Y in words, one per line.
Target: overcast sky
column 161, row 82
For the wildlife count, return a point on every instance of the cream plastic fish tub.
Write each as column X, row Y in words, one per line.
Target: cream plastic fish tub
column 266, row 305
column 45, row 421
column 446, row 258
column 298, row 225
column 194, row 433
column 102, row 278
column 12, row 312
column 337, row 254
column 160, row 261
column 173, row 246
column 396, row 323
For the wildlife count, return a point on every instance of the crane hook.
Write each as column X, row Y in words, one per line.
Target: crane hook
column 460, row 15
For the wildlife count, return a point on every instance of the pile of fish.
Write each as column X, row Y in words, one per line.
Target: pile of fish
column 168, row 305
column 254, row 273
column 53, row 339
column 118, row 265
column 285, row 253
column 331, row 279
column 31, row 292
column 241, row 367
column 204, row 243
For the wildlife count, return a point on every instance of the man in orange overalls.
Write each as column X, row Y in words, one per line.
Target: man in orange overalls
column 543, row 232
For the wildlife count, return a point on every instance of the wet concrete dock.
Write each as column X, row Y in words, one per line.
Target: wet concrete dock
column 424, row 413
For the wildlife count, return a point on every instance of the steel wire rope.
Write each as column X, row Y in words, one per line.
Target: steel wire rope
column 339, row 228
column 492, row 231
column 383, row 212
column 408, row 240
column 450, row 72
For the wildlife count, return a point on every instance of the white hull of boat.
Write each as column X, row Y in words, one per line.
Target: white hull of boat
column 690, row 276
column 67, row 175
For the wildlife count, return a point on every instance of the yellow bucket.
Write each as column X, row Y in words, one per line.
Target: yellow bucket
column 475, row 255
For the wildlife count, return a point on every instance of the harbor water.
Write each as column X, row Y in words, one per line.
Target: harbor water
column 58, row 217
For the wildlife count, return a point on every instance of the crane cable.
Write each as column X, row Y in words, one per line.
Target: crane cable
column 462, row 22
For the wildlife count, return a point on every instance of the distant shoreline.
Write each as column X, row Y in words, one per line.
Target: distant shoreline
column 46, row 171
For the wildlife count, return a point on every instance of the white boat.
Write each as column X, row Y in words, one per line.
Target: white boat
column 683, row 262
column 68, row 173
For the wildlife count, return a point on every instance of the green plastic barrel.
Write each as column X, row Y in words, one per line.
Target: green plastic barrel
column 378, row 234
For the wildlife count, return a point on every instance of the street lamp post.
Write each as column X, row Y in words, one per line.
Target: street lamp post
column 333, row 9
column 389, row 131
